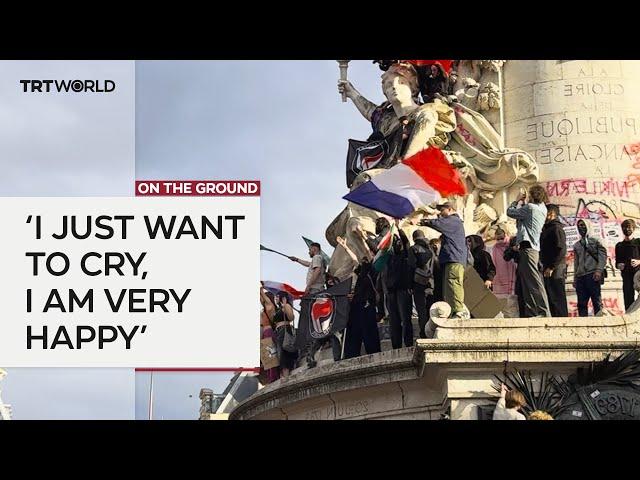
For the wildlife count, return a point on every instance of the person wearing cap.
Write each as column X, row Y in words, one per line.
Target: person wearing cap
column 452, row 257
column 316, row 269
column 530, row 218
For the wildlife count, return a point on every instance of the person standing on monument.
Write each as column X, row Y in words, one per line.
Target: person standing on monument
column 362, row 327
column 267, row 301
column 553, row 254
column 511, row 254
column 628, row 260
column 316, row 269
column 503, row 282
column 482, row 261
column 283, row 321
column 396, row 277
column 453, row 256
column 422, row 259
column 530, row 217
column 316, row 275
column 589, row 262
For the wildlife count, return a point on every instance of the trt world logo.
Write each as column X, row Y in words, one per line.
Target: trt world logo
column 68, row 86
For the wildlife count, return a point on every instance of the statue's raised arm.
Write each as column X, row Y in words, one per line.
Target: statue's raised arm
column 364, row 106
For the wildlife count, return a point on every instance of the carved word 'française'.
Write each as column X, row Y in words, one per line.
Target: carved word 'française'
column 575, row 153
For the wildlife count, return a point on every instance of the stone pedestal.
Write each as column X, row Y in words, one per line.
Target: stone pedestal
column 451, row 374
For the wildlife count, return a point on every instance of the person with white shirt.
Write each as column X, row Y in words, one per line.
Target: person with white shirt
column 530, row 218
column 510, row 402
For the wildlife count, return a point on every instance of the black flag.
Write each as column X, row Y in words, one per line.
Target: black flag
column 363, row 156
column 377, row 152
column 323, row 313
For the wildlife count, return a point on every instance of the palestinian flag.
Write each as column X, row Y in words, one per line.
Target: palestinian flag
column 384, row 250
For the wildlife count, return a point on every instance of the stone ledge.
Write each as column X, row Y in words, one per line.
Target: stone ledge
column 499, row 330
column 548, row 322
column 431, row 352
column 354, row 373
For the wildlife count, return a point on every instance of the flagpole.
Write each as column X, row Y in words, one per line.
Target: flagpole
column 151, row 398
column 262, row 247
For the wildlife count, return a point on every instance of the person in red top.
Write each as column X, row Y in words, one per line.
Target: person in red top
column 505, row 278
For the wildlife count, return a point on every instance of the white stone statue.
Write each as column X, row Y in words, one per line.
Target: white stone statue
column 451, row 122
column 428, row 124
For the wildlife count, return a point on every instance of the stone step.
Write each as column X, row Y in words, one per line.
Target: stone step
column 326, row 354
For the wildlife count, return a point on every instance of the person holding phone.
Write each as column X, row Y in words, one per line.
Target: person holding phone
column 530, row 217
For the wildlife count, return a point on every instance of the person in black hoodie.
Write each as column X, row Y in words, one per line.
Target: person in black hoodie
column 628, row 260
column 396, row 276
column 553, row 254
column 421, row 259
column 363, row 324
column 482, row 261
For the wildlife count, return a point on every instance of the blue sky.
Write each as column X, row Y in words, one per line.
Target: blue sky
column 281, row 122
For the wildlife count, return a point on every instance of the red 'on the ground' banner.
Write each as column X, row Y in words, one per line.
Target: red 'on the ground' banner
column 206, row 188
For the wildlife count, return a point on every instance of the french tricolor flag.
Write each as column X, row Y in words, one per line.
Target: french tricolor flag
column 276, row 287
column 416, row 181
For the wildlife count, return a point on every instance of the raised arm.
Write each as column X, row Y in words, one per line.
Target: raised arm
column 361, row 236
column 300, row 261
column 517, row 211
column 267, row 304
column 434, row 223
column 364, row 106
column 288, row 311
column 342, row 242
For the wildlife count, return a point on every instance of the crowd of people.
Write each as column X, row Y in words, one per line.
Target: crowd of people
column 532, row 265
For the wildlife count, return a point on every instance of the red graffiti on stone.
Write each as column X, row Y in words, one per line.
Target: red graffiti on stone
column 582, row 186
column 609, row 303
column 634, row 152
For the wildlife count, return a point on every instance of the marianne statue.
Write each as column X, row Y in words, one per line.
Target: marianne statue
column 427, row 106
